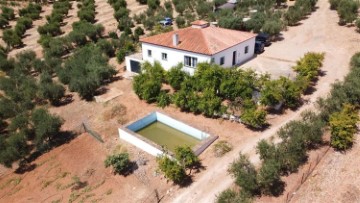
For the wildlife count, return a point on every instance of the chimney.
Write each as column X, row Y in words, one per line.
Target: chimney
column 175, row 39
column 200, row 24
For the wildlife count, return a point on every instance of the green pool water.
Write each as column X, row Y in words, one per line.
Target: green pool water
column 167, row 136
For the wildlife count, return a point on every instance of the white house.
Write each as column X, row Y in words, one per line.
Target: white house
column 198, row 43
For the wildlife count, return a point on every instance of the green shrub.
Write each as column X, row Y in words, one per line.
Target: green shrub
column 245, row 174
column 3, row 22
column 32, row 11
column 163, row 99
column 52, row 29
column 175, row 76
column 255, row 118
column 357, row 23
column 221, row 148
column 180, row 21
column 106, row 47
column 121, row 13
column 309, row 65
column 348, row 11
column 171, row 169
column 120, row 163
column 230, row 196
column 11, row 38
column 153, row 4
column 7, row 13
column 343, row 127
column 87, row 15
column 186, row 157
column 86, row 71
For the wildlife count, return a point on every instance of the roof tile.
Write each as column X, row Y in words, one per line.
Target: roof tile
column 208, row 41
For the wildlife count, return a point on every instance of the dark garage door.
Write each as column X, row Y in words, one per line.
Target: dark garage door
column 135, row 66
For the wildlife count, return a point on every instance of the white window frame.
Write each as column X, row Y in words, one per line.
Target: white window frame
column 164, row 56
column 191, row 60
column 246, row 50
column 149, row 53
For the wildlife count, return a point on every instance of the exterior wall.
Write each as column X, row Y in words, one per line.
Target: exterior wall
column 180, row 126
column 127, row 62
column 241, row 57
column 127, row 136
column 139, row 124
column 174, row 56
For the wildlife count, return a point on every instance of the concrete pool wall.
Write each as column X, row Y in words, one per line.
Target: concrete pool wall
column 128, row 133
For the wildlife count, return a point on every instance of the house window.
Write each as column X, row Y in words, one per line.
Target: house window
column 212, row 60
column 149, row 53
column 164, row 56
column 222, row 60
column 190, row 61
column 246, row 49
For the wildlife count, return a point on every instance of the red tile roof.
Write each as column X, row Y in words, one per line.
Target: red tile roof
column 209, row 40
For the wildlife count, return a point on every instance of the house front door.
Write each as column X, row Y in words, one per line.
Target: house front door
column 234, row 58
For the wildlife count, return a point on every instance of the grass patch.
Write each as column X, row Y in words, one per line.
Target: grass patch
column 56, row 201
column 12, row 181
column 118, row 111
column 87, row 196
column 108, row 192
column 221, row 147
column 119, row 149
column 73, row 196
column 46, row 184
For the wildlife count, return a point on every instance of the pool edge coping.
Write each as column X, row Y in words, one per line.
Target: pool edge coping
column 197, row 149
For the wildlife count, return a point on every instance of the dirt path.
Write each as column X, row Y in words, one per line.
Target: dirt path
column 71, row 18
column 105, row 16
column 32, row 35
column 320, row 33
column 135, row 7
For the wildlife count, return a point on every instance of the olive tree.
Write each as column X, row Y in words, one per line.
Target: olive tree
column 120, row 163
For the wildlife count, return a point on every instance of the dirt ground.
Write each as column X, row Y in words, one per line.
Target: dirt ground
column 51, row 179
column 319, row 33
column 336, row 179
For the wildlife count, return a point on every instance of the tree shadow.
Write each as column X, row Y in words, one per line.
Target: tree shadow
column 258, row 129
column 310, row 90
column 278, row 38
column 277, row 188
column 25, row 167
column 186, row 182
column 79, row 185
column 67, row 99
column 63, row 23
column 102, row 90
column 275, row 111
column 62, row 138
column 197, row 168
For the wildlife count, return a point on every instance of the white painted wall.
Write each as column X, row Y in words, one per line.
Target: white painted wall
column 240, row 51
column 139, row 143
column 174, row 56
